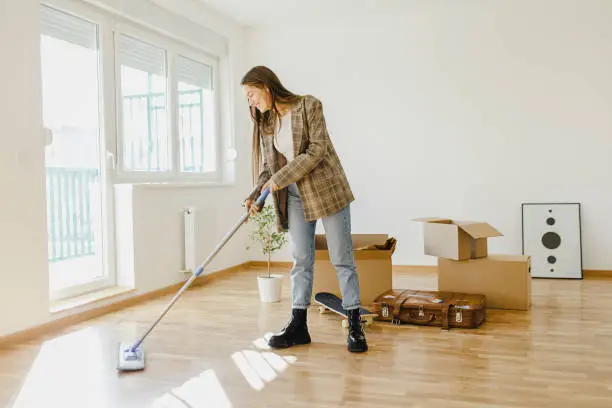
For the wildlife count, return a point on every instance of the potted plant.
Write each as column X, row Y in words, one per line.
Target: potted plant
column 270, row 241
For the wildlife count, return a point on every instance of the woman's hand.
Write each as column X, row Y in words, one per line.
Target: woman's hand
column 251, row 207
column 271, row 184
column 250, row 203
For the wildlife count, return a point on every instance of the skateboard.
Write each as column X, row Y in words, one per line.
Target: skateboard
column 329, row 301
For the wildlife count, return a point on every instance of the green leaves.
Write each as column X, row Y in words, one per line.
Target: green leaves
column 265, row 233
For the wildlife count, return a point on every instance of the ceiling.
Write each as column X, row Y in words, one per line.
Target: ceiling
column 270, row 12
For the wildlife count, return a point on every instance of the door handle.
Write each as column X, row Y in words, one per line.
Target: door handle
column 110, row 156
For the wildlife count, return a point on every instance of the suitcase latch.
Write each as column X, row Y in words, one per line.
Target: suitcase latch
column 385, row 311
column 458, row 316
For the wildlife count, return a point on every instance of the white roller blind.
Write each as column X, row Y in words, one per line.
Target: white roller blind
column 66, row 27
column 142, row 56
column 193, row 72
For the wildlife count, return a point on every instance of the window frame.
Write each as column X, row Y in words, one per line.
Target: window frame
column 109, row 25
column 106, row 138
column 173, row 49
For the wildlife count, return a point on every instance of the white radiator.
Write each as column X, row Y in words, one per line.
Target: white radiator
column 190, row 240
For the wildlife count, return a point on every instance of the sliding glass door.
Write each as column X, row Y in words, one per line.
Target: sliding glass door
column 76, row 189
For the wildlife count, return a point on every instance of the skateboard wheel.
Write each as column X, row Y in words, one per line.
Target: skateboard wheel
column 345, row 323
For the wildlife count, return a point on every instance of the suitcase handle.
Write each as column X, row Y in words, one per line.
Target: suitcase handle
column 404, row 296
column 429, row 317
column 399, row 301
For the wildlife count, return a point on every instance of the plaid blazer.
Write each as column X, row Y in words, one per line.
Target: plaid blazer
column 316, row 168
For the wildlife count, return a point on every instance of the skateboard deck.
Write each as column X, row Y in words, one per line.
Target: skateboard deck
column 329, row 301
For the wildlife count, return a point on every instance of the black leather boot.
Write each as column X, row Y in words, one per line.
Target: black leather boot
column 356, row 336
column 294, row 333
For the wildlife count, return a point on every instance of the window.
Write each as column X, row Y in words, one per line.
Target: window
column 196, row 116
column 145, row 142
column 167, row 111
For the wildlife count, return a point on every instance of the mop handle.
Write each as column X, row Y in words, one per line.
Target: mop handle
column 260, row 202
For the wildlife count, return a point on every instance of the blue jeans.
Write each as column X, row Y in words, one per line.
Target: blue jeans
column 340, row 244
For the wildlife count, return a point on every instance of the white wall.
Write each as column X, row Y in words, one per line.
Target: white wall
column 23, row 238
column 150, row 231
column 157, row 219
column 460, row 109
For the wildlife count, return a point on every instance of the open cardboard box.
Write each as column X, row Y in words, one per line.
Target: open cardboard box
column 458, row 240
column 372, row 254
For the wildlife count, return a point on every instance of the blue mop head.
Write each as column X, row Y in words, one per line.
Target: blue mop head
column 130, row 359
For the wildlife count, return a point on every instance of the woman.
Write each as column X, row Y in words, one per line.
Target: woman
column 307, row 182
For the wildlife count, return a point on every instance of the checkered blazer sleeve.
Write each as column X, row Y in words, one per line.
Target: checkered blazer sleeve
column 318, row 137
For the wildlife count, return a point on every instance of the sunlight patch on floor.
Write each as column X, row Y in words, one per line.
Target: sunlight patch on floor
column 66, row 372
column 202, row 391
column 261, row 367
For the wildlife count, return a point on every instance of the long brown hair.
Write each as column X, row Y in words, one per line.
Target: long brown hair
column 264, row 78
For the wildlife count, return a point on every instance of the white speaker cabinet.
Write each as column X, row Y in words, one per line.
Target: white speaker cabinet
column 552, row 237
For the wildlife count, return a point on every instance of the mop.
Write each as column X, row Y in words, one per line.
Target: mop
column 132, row 356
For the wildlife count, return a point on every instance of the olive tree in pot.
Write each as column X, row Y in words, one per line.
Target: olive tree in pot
column 270, row 241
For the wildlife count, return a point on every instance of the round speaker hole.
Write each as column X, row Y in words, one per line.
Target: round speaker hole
column 551, row 240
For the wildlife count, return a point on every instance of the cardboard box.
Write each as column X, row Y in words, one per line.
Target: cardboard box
column 458, row 240
column 373, row 258
column 504, row 279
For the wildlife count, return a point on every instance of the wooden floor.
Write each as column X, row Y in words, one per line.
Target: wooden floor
column 209, row 352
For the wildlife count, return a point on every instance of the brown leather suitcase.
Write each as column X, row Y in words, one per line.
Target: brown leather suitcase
column 431, row 308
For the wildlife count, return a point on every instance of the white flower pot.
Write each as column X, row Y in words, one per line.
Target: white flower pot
column 270, row 288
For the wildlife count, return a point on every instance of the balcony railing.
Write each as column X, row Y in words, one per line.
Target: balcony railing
column 73, row 193
column 145, row 126
column 71, row 212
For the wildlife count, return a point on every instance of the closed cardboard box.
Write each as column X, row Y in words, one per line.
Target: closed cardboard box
column 458, row 240
column 504, row 279
column 374, row 267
